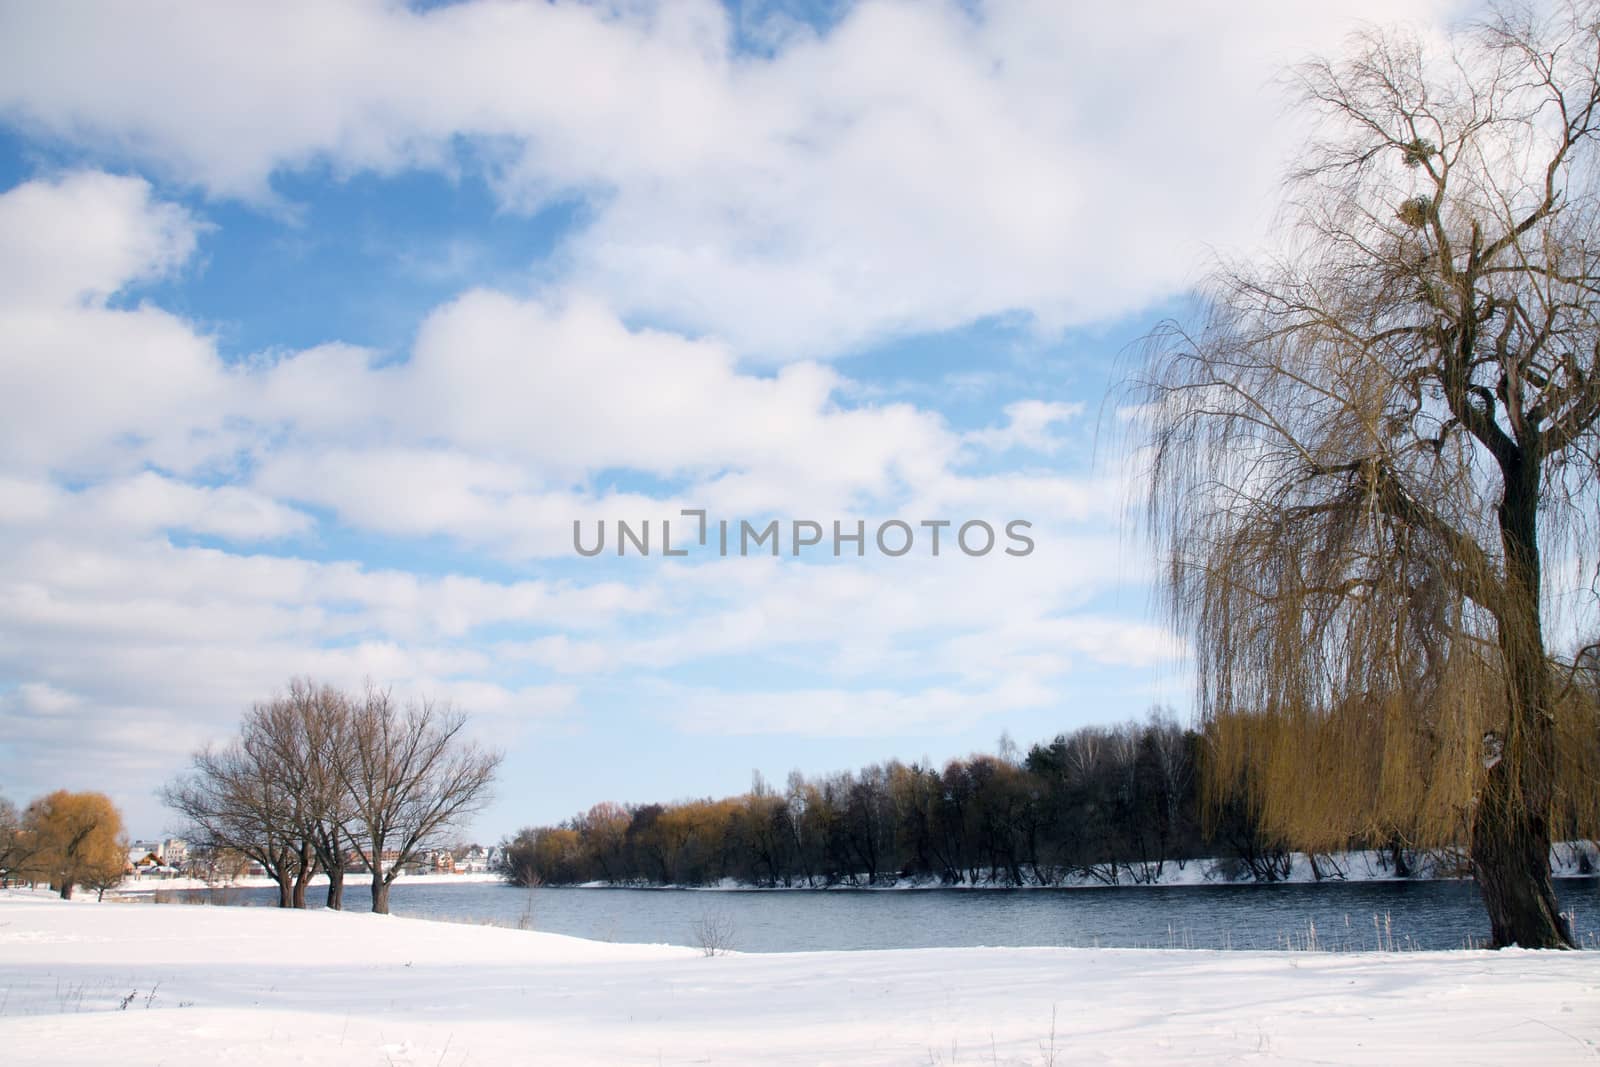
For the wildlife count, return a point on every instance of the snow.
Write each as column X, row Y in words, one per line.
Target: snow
column 258, row 985
column 353, row 882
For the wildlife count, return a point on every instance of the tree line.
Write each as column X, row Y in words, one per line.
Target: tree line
column 320, row 780
column 64, row 839
column 1113, row 804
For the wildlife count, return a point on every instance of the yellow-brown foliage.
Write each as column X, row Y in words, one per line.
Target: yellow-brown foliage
column 77, row 837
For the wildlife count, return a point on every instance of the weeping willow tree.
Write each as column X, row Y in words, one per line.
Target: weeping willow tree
column 1373, row 462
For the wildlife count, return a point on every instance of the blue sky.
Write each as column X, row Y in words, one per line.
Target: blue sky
column 320, row 324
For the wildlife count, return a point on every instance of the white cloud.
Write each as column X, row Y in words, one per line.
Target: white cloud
column 506, row 409
column 84, row 385
column 85, row 236
column 1028, row 426
column 568, row 386
column 129, row 652
column 920, row 166
column 489, row 431
column 828, row 712
column 149, row 501
column 977, row 620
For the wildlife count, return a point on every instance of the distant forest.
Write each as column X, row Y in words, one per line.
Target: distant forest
column 1111, row 804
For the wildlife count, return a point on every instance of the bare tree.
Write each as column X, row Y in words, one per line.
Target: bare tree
column 714, row 932
column 315, row 775
column 16, row 847
column 103, row 877
column 237, row 798
column 305, row 730
column 218, row 868
column 1172, row 769
column 1367, row 450
column 411, row 775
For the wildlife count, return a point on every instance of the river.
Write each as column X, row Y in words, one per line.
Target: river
column 1402, row 915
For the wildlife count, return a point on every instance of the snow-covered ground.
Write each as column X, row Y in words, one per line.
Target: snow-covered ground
column 139, row 984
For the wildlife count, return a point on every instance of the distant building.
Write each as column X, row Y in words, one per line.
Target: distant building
column 173, row 852
column 138, row 851
column 420, row 863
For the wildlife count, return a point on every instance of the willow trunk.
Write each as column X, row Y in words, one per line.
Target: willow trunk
column 1511, row 824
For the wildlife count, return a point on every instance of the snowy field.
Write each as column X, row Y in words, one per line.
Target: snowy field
column 149, row 984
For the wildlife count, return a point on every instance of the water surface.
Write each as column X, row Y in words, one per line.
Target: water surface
column 1333, row 915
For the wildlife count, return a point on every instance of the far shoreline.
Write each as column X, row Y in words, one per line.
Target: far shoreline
column 1351, row 868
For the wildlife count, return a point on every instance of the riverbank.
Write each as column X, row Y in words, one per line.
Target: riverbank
column 83, row 983
column 353, row 883
column 1568, row 859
